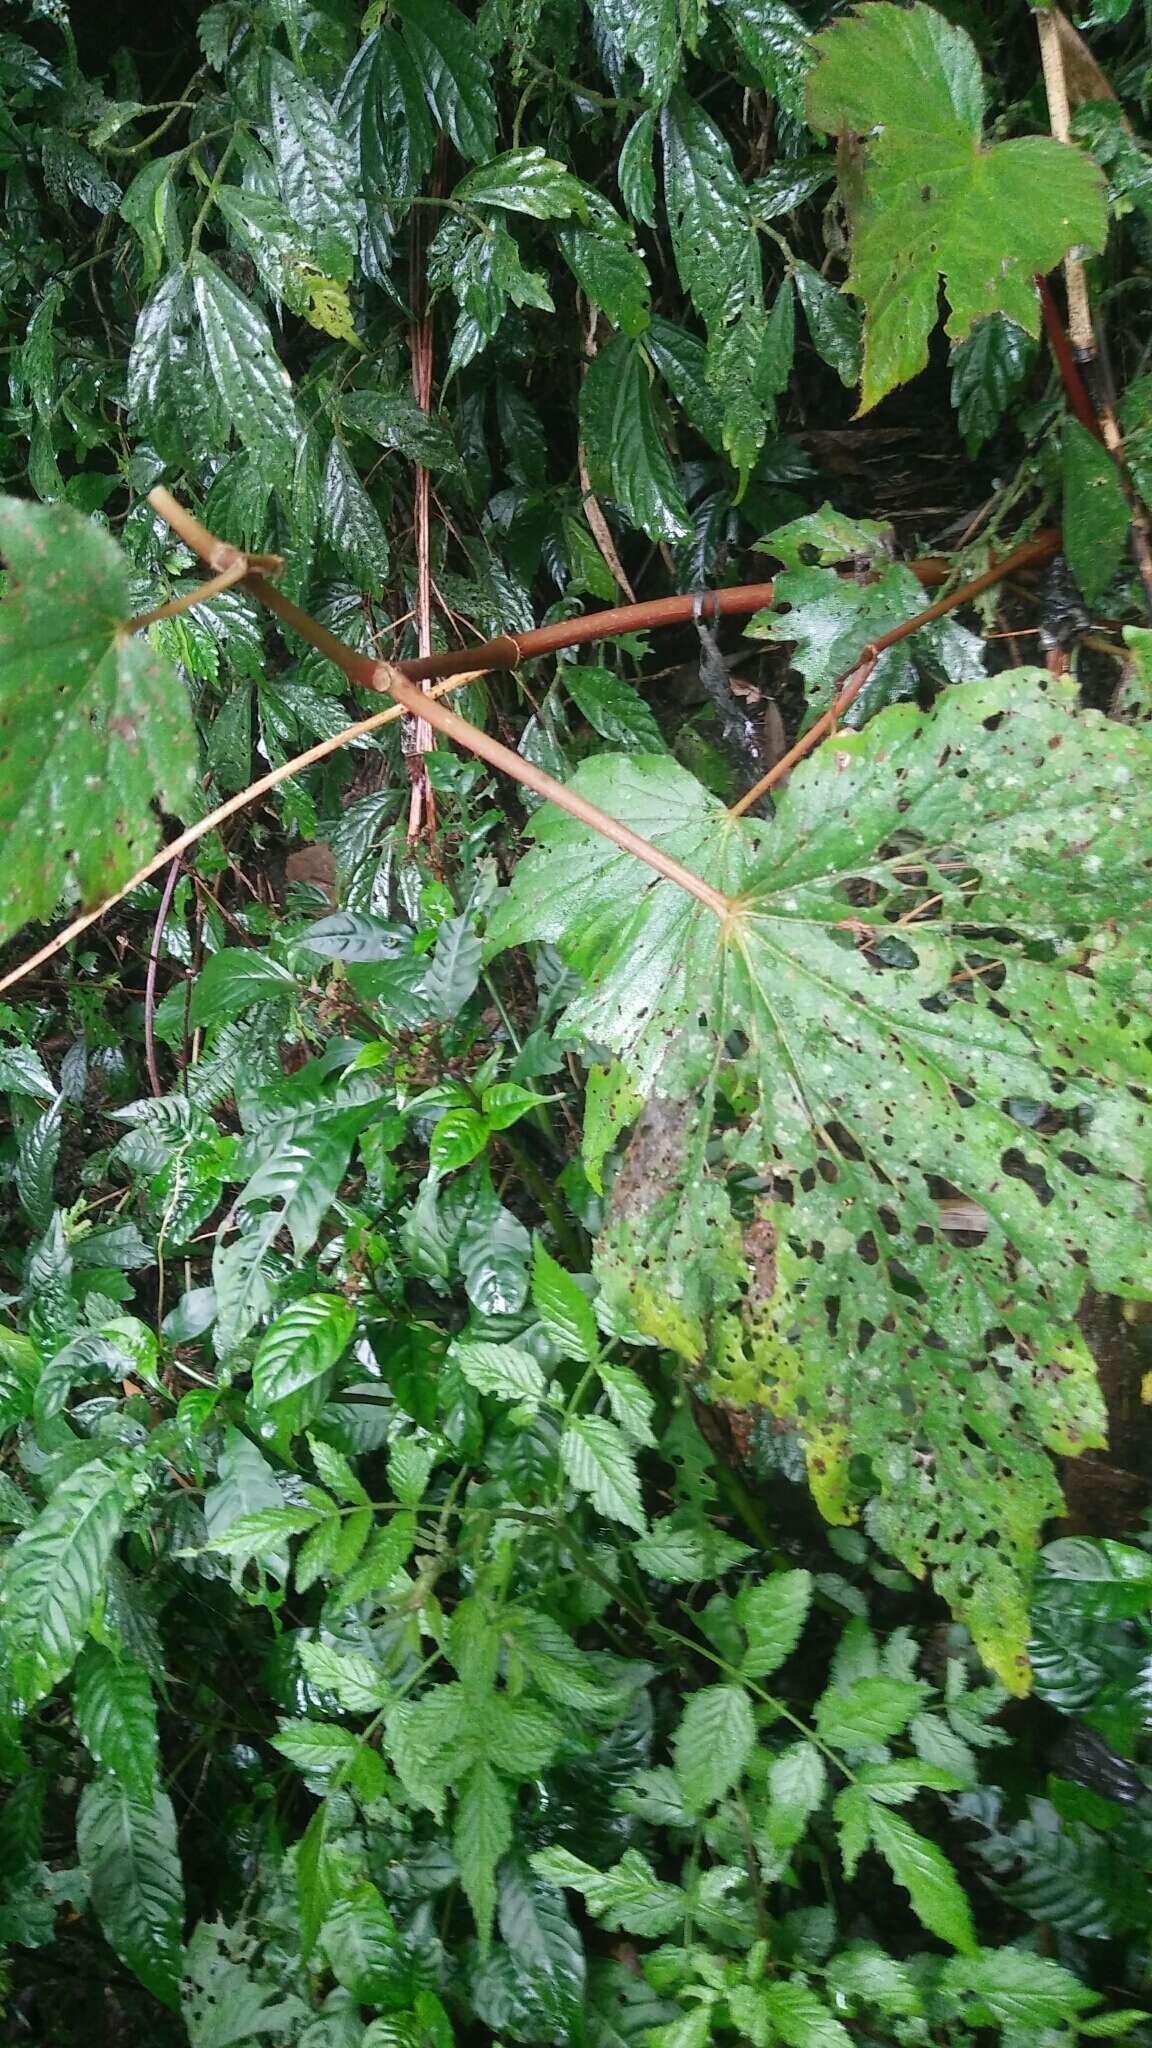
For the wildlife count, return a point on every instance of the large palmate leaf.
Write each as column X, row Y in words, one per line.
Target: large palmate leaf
column 93, row 728
column 932, row 200
column 910, row 999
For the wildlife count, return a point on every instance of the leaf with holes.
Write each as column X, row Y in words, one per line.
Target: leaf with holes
column 908, row 959
column 94, row 729
column 932, row 199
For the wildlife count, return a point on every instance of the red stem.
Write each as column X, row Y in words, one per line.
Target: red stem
column 1074, row 386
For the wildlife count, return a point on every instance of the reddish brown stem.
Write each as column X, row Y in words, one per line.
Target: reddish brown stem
column 849, row 685
column 1075, row 389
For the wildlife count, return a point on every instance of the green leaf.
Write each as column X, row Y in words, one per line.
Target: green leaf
column 353, row 527
column 129, row 1852
column 320, row 1877
column 1009, row 1987
column 317, row 1747
column 563, row 1307
column 796, row 1782
column 299, row 1174
column 611, row 274
column 95, row 728
column 934, row 201
column 634, row 173
column 772, row 1616
column 596, row 1458
column 481, row 1833
column 234, row 980
column 1096, row 514
column 314, row 168
column 453, row 973
column 503, row 1369
column 453, row 71
column 629, row 1897
column 833, row 322
column 355, row 1680
column 382, row 108
column 459, row 1137
column 294, row 1358
column 801, row 2019
column 868, row 1712
column 626, row 454
column 910, row 1054
column 1108, row 1580
column 777, row 44
column 687, row 1555
column 927, row 1876
column 545, row 1946
column 629, row 1400
column 116, row 1716
column 717, row 253
column 989, row 369
column 867, row 1976
column 360, row 1939
column 523, row 181
column 649, row 32
column 252, row 382
column 713, row 1743
column 55, row 1575
column 613, row 709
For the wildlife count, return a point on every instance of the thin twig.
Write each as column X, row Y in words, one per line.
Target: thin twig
column 180, row 845
column 382, row 676
column 200, row 595
column 849, row 684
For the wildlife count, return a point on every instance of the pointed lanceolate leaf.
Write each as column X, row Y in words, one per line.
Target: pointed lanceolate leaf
column 294, row 1358
column 250, row 378
column 315, row 168
column 129, row 1853
column 94, row 729
column 934, row 201
column 116, row 1716
column 597, row 1458
column 482, row 1831
column 713, row 1743
column 626, row 452
column 55, row 1574
column 937, row 1897
column 1000, row 829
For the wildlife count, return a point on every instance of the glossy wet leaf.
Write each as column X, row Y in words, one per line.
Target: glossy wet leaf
column 129, row 1850
column 879, row 1065
column 55, row 1575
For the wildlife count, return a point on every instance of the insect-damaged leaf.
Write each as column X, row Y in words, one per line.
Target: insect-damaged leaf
column 911, row 996
column 93, row 727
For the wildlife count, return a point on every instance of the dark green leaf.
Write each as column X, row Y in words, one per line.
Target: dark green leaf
column 1096, row 514
column 55, row 1575
column 128, row 1849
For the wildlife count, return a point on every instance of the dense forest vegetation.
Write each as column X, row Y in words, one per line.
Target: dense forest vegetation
column 575, row 667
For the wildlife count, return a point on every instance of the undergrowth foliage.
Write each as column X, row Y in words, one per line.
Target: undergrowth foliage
column 439, row 1269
